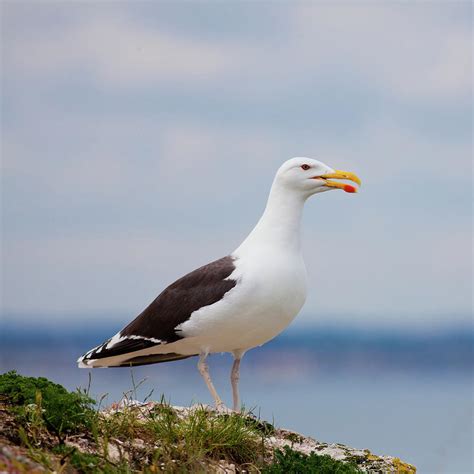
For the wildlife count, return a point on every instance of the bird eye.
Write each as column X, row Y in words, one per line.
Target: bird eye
column 305, row 167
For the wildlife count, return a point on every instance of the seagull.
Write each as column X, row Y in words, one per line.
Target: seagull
column 238, row 302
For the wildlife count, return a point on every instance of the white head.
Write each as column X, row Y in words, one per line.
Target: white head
column 295, row 181
column 308, row 177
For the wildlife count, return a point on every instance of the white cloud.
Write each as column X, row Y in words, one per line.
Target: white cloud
column 411, row 51
column 116, row 51
column 112, row 156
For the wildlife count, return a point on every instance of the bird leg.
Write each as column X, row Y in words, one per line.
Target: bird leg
column 234, row 379
column 204, row 371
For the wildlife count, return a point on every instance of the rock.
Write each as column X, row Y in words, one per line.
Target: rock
column 364, row 459
column 15, row 459
column 113, row 452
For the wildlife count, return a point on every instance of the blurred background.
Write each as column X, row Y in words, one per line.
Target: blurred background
column 139, row 141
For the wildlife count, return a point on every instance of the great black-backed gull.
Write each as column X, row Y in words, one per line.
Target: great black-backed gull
column 237, row 302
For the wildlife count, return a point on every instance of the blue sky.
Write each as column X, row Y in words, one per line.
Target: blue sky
column 139, row 141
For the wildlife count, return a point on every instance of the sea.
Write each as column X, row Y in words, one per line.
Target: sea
column 399, row 392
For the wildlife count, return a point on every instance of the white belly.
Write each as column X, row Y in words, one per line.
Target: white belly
column 261, row 305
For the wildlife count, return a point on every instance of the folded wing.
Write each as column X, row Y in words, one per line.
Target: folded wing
column 156, row 325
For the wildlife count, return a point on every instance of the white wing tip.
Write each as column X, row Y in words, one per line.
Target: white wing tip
column 84, row 364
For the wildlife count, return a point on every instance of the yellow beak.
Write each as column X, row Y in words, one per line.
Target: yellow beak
column 338, row 174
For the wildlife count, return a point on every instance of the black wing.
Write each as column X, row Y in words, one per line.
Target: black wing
column 157, row 323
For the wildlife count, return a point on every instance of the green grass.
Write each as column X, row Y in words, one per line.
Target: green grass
column 206, row 434
column 188, row 440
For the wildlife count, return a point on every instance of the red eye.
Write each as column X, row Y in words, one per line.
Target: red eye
column 305, row 167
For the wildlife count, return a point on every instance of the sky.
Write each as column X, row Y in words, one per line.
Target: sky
column 139, row 141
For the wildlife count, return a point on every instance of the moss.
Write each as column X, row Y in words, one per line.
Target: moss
column 39, row 401
column 289, row 461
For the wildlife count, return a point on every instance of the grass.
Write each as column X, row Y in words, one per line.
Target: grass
column 205, row 434
column 63, row 432
column 186, row 440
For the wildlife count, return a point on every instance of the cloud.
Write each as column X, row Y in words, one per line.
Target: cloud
column 414, row 52
column 117, row 52
column 108, row 157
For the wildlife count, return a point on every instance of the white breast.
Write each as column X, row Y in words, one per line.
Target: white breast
column 270, row 291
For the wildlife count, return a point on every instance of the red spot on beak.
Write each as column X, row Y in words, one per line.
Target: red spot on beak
column 349, row 189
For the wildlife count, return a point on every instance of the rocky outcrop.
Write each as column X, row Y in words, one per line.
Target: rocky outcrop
column 279, row 438
column 18, row 455
column 365, row 459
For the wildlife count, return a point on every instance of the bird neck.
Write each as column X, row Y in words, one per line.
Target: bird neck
column 280, row 225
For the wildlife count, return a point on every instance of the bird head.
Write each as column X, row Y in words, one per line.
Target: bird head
column 310, row 176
